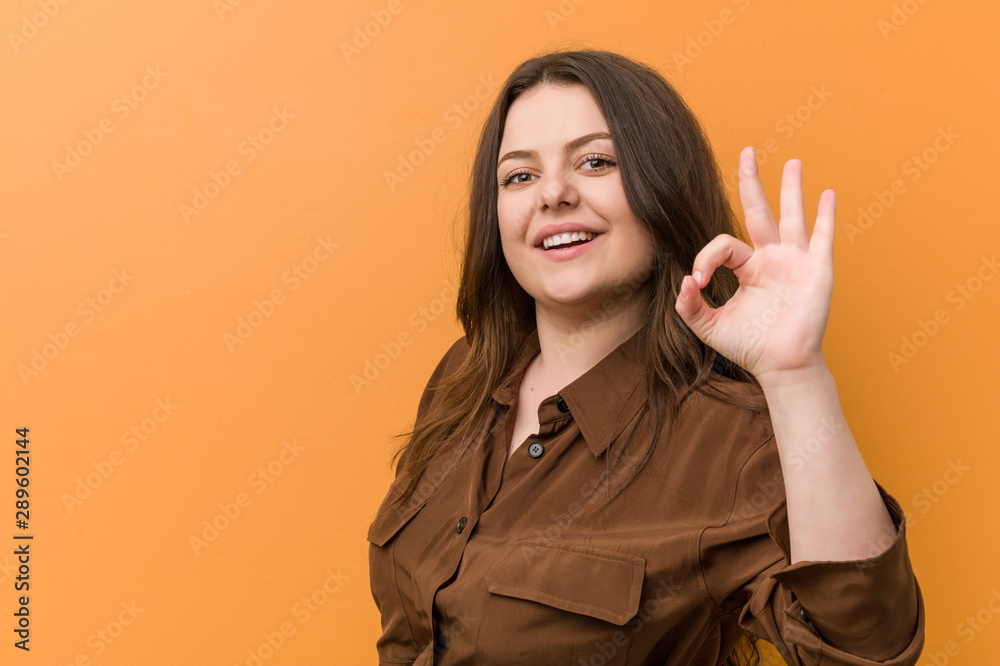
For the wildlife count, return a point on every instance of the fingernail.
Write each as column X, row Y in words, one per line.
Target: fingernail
column 697, row 278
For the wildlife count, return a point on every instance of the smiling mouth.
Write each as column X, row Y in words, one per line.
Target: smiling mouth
column 562, row 246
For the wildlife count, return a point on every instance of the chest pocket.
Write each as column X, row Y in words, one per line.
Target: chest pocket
column 560, row 604
column 394, row 592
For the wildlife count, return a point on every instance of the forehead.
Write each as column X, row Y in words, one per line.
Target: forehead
column 551, row 114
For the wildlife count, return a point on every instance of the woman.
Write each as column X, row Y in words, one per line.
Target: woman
column 636, row 454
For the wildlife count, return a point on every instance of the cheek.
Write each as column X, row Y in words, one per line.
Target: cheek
column 610, row 203
column 508, row 231
column 512, row 218
column 637, row 246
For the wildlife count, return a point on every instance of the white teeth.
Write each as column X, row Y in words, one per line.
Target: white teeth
column 568, row 237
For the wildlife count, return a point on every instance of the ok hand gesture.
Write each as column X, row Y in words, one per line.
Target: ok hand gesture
column 775, row 321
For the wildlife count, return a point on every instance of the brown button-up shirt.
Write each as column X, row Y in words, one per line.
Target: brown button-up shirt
column 484, row 566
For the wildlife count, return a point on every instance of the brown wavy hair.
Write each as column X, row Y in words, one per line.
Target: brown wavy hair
column 674, row 187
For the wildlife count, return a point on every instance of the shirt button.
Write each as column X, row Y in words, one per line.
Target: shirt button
column 563, row 407
column 802, row 612
column 535, row 449
column 461, row 524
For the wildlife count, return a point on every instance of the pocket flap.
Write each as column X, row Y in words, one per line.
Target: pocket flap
column 603, row 584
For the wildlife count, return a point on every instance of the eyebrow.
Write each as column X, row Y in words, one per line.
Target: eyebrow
column 570, row 147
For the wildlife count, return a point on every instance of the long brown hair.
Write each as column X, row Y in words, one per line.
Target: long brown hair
column 674, row 187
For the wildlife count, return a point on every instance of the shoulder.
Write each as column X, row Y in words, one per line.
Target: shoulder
column 715, row 446
column 449, row 363
column 432, row 397
column 725, row 404
column 458, row 350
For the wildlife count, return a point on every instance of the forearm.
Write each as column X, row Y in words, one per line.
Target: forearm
column 835, row 511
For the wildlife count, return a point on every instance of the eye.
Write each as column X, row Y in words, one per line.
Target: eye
column 603, row 162
column 513, row 176
column 591, row 159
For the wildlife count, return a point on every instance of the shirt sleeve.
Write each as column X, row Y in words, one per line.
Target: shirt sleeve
column 864, row 612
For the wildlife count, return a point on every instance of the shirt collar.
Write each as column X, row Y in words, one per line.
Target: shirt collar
column 602, row 400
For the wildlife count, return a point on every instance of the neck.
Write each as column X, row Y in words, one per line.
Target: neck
column 570, row 345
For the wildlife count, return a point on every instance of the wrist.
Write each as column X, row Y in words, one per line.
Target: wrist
column 799, row 378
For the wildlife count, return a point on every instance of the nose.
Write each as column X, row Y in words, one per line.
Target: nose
column 557, row 190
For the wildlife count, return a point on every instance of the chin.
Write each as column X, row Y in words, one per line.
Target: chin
column 568, row 297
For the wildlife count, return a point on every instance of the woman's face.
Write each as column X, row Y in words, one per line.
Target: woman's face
column 561, row 175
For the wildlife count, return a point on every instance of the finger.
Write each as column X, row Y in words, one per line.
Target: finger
column 821, row 243
column 723, row 250
column 693, row 309
column 759, row 220
column 792, row 225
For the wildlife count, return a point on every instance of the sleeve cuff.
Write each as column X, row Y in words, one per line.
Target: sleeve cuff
column 870, row 608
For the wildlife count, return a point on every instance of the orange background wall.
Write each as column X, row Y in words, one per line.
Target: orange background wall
column 199, row 245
